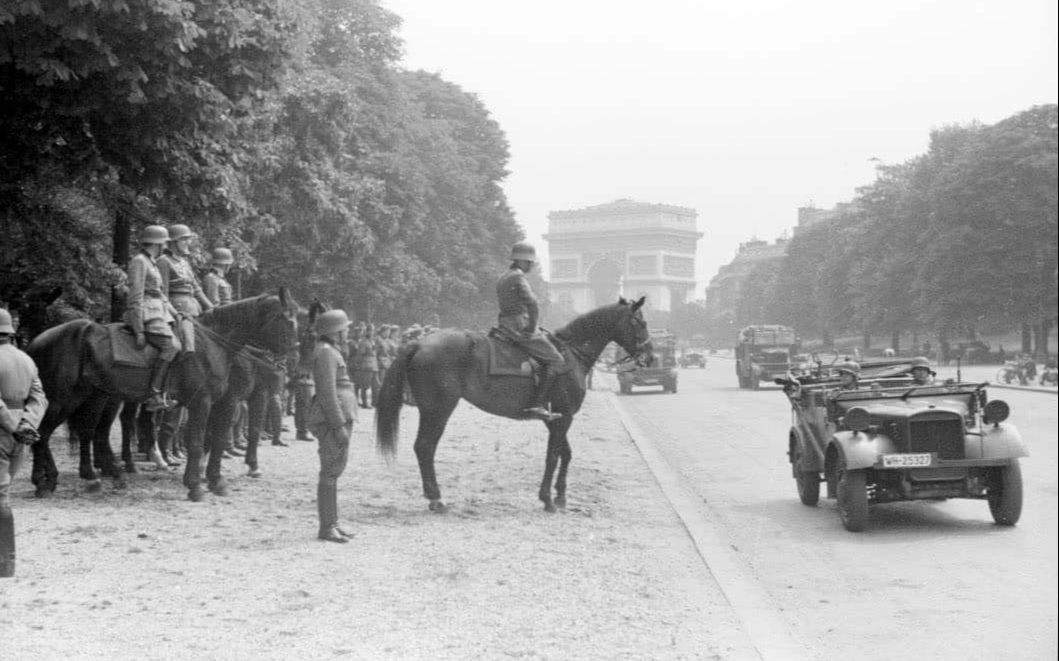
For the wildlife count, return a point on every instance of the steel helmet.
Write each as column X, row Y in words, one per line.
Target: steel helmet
column 154, row 234
column 177, row 232
column 222, row 256
column 920, row 361
column 7, row 325
column 849, row 367
column 524, row 250
column 332, row 321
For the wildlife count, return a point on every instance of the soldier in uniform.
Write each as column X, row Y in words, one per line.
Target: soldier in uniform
column 334, row 411
column 365, row 367
column 922, row 375
column 149, row 313
column 215, row 283
column 848, row 374
column 181, row 286
column 22, row 406
column 518, row 323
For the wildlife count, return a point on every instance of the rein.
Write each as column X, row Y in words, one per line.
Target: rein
column 253, row 353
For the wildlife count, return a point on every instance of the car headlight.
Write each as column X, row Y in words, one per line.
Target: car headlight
column 857, row 419
column 997, row 410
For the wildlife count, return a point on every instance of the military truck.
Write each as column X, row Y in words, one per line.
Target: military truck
column 662, row 373
column 763, row 353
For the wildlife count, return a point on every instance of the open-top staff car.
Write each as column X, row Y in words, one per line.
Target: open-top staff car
column 890, row 440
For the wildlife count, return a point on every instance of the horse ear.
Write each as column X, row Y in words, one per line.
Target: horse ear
column 622, row 301
column 639, row 304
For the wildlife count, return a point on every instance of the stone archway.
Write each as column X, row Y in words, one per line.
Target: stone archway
column 604, row 281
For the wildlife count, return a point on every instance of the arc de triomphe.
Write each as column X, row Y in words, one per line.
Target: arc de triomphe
column 623, row 248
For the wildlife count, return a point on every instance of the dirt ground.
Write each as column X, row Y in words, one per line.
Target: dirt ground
column 145, row 573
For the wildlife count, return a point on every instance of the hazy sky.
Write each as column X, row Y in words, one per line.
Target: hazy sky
column 742, row 111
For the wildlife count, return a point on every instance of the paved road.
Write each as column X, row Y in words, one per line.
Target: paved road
column 929, row 580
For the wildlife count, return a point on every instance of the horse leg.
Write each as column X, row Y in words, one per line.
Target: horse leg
column 198, row 408
column 564, row 460
column 83, row 422
column 256, row 406
column 127, row 419
column 45, row 475
column 101, row 443
column 216, row 423
column 146, row 431
column 432, row 420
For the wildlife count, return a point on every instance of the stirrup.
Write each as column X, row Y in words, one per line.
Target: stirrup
column 541, row 413
column 157, row 401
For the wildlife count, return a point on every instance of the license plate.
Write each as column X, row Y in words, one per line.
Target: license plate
column 906, row 460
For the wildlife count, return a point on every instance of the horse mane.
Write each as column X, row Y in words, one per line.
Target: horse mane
column 587, row 325
column 238, row 314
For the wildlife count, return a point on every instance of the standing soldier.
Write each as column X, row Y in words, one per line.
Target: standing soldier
column 365, row 366
column 215, row 284
column 517, row 321
column 22, row 406
column 181, row 286
column 333, row 414
column 149, row 313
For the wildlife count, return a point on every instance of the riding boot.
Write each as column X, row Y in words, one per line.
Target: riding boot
column 7, row 542
column 327, row 508
column 157, row 400
column 538, row 407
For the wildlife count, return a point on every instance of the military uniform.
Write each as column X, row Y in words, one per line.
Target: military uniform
column 365, row 368
column 182, row 289
column 518, row 317
column 22, row 406
column 331, row 419
column 216, row 288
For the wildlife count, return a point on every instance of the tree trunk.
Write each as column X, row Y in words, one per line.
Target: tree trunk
column 895, row 341
column 120, row 251
column 827, row 338
column 1042, row 330
column 943, row 347
column 866, row 341
column 915, row 343
column 1027, row 337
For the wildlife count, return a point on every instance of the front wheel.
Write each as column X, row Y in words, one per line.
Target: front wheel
column 853, row 498
column 808, row 481
column 1005, row 494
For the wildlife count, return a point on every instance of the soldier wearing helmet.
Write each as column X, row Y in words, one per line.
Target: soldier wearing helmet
column 365, row 365
column 848, row 373
column 215, row 283
column 517, row 321
column 922, row 375
column 149, row 313
column 179, row 282
column 331, row 418
column 22, row 406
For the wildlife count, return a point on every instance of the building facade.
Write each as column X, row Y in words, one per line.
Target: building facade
column 622, row 248
column 730, row 284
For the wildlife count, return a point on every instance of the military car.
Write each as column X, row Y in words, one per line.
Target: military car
column 662, row 373
column 891, row 440
column 763, row 353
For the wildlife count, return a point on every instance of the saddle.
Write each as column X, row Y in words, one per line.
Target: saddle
column 123, row 348
column 507, row 358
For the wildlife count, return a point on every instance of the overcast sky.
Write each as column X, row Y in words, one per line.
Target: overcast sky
column 742, row 111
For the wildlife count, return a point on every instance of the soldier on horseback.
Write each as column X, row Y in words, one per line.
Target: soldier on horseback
column 215, row 284
column 517, row 323
column 180, row 284
column 149, row 313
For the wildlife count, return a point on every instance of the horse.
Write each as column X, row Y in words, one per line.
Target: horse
column 83, row 385
column 447, row 365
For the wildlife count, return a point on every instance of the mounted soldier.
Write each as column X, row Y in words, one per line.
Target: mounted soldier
column 517, row 323
column 215, row 283
column 149, row 313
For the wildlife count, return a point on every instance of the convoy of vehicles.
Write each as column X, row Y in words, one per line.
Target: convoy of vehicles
column 763, row 353
column 890, row 440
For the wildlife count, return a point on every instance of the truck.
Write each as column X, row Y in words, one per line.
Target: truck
column 662, row 373
column 763, row 353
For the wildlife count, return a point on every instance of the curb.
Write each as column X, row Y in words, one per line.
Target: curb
column 766, row 629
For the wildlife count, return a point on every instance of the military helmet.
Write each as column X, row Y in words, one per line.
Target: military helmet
column 332, row 321
column 849, row 367
column 154, row 234
column 7, row 325
column 222, row 256
column 525, row 251
column 920, row 361
column 177, row 232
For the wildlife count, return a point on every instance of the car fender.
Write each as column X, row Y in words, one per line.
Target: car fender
column 997, row 441
column 812, row 459
column 861, row 449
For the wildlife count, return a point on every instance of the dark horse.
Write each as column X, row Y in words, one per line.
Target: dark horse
column 450, row 364
column 84, row 386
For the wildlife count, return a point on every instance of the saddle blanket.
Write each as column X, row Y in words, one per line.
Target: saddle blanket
column 123, row 348
column 506, row 359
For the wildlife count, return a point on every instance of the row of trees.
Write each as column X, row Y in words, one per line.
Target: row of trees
column 286, row 131
column 955, row 241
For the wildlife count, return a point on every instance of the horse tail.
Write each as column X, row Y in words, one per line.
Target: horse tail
column 391, row 397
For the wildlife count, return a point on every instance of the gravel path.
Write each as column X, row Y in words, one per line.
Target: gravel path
column 145, row 573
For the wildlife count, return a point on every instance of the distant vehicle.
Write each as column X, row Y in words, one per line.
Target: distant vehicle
column 662, row 373
column 763, row 353
column 694, row 353
column 890, row 440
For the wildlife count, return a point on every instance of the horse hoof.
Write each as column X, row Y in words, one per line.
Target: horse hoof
column 195, row 494
column 254, row 472
column 120, row 485
column 560, row 502
column 438, row 507
column 550, row 508
column 93, row 486
column 44, row 493
column 131, row 468
column 219, row 489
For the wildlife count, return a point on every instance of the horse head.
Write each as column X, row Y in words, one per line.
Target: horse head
column 630, row 332
column 307, row 332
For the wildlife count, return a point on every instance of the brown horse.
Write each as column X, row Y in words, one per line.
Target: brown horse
column 450, row 364
column 83, row 384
